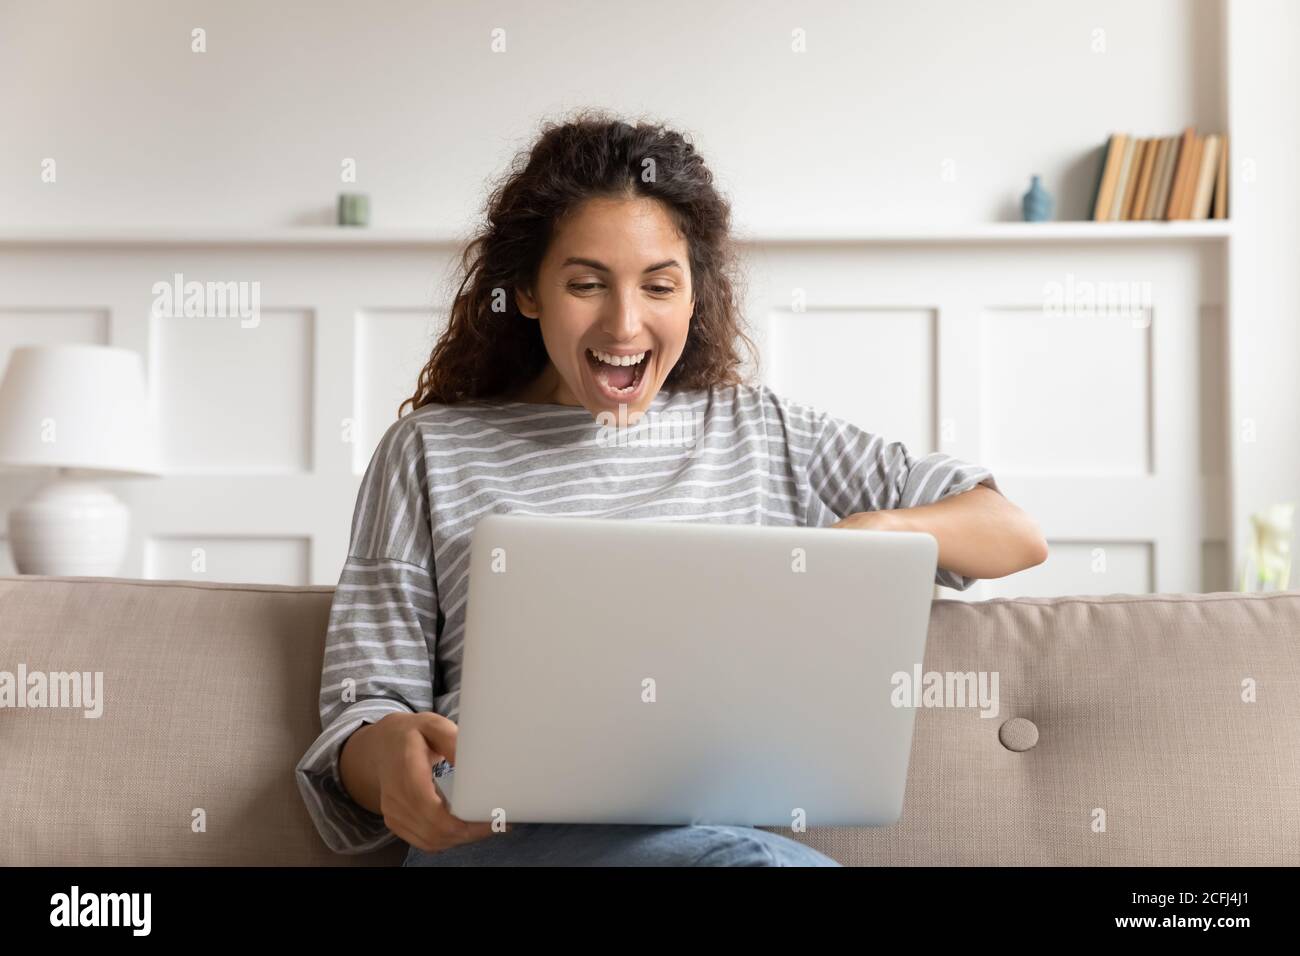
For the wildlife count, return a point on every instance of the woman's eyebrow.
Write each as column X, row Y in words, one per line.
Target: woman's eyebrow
column 601, row 267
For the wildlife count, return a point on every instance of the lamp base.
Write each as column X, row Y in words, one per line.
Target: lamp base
column 69, row 527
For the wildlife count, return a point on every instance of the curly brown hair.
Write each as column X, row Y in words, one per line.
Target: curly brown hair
column 488, row 350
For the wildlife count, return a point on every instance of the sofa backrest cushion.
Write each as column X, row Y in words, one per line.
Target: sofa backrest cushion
column 1128, row 711
column 210, row 697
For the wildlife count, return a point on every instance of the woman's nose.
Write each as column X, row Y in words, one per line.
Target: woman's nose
column 624, row 321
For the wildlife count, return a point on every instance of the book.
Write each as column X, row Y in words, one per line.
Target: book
column 1221, row 183
column 1130, row 187
column 1193, row 177
column 1099, row 164
column 1121, row 184
column 1185, row 149
column 1109, row 176
column 1166, row 178
column 1200, row 208
column 1157, row 177
column 1144, row 178
column 1183, row 176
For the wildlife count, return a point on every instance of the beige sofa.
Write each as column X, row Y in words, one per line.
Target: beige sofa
column 1136, row 704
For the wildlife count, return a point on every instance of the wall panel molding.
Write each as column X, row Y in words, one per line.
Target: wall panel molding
column 924, row 336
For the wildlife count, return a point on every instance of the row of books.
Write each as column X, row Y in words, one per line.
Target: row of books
column 1165, row 177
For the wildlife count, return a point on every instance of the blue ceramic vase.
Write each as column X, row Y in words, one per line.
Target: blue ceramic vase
column 1037, row 203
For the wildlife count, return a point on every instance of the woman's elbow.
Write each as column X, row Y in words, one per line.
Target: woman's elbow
column 1038, row 552
column 1035, row 546
column 1029, row 548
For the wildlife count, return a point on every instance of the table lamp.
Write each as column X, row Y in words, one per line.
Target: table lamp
column 83, row 411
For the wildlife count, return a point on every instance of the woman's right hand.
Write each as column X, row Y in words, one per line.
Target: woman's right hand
column 413, row 809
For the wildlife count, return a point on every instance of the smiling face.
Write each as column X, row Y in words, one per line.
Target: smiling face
column 614, row 299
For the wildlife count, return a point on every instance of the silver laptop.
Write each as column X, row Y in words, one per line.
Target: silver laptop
column 662, row 672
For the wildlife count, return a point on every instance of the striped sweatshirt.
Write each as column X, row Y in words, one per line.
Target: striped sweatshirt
column 735, row 455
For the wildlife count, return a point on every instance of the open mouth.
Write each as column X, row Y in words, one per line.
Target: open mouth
column 618, row 381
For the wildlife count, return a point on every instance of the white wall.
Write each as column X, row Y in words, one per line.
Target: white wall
column 856, row 130
column 898, row 113
column 1265, row 272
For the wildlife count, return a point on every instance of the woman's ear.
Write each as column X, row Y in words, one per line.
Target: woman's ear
column 526, row 304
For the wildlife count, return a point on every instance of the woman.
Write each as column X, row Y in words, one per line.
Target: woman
column 601, row 289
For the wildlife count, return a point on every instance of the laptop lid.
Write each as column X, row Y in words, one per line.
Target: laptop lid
column 664, row 672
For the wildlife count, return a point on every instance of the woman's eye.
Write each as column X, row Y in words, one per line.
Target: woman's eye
column 587, row 286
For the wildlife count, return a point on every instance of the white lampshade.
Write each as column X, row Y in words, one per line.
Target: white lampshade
column 82, row 407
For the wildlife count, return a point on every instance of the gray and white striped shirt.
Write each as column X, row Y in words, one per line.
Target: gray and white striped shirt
column 736, row 455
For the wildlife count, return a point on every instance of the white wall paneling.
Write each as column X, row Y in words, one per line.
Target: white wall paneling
column 233, row 397
column 390, row 348
column 247, row 558
column 265, row 427
column 1108, row 429
column 1082, row 567
column 868, row 364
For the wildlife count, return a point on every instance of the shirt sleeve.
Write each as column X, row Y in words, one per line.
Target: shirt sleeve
column 851, row 470
column 381, row 640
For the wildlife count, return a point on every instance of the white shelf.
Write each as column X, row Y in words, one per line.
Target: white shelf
column 1064, row 232
column 343, row 236
column 346, row 236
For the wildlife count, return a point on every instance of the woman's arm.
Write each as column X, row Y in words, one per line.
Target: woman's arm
column 359, row 765
column 980, row 533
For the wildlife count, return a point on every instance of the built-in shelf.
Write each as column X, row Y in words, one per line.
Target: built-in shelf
column 1081, row 231
column 343, row 236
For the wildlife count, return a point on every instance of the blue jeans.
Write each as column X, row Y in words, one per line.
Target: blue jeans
column 581, row 844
